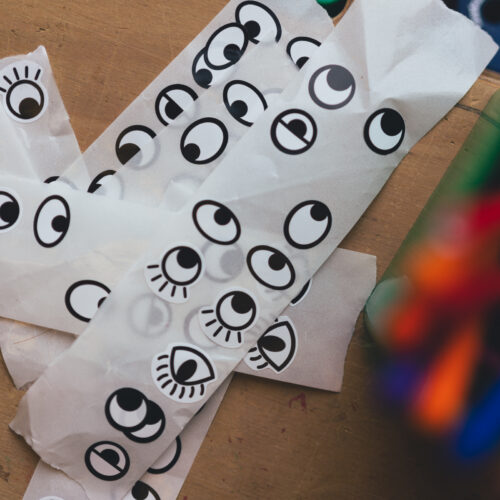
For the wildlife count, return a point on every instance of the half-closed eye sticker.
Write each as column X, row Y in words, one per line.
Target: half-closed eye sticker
column 107, row 460
column 300, row 49
column 226, row 46
column 168, row 459
column 10, row 209
column 137, row 145
column 293, row 131
column 259, row 21
column 51, row 221
column 332, row 86
column 149, row 315
column 84, row 298
column 107, row 184
column 244, row 102
column 270, row 267
column 142, row 491
column 216, row 222
column 384, row 131
column 205, row 76
column 204, row 141
column 172, row 101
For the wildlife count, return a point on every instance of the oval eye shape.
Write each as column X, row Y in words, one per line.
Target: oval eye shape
column 10, row 210
column 244, row 102
column 107, row 460
column 205, row 76
column 182, row 265
column 216, row 222
column 51, row 221
column 226, row 46
column 168, row 459
column 204, row 141
column 300, row 49
column 126, row 409
column 270, row 267
column 384, row 131
column 83, row 298
column 307, row 224
column 136, row 142
column 172, row 101
column 236, row 310
column 293, row 132
column 332, row 86
column 152, row 426
column 142, row 491
column 259, row 21
column 106, row 184
column 191, row 366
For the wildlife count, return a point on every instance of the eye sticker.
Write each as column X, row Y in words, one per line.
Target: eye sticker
column 150, row 316
column 172, row 101
column 308, row 224
column 130, row 412
column 222, row 264
column 180, row 268
column 259, row 21
column 205, row 76
column 51, row 498
column 332, row 86
column 226, row 46
column 302, row 294
column 293, row 131
column 270, row 267
column 182, row 372
column 216, row 222
column 107, row 460
column 24, row 97
column 84, row 298
column 384, row 131
column 244, row 102
column 142, row 491
column 10, row 209
column 234, row 312
column 137, row 142
column 204, row 141
column 51, row 221
column 106, row 184
column 168, row 459
column 276, row 348
column 300, row 49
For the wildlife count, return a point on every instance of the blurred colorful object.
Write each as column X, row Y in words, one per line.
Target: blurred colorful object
column 333, row 7
column 436, row 311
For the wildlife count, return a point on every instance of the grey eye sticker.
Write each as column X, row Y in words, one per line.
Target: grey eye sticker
column 234, row 312
column 10, row 209
column 259, row 21
column 149, row 315
column 223, row 263
column 24, row 97
column 226, row 46
column 293, row 131
column 107, row 460
column 216, row 222
column 244, row 102
column 142, row 491
column 204, row 141
column 332, row 86
column 137, row 145
column 51, row 221
column 300, row 49
column 182, row 372
column 384, row 131
column 84, row 298
column 168, row 460
column 270, row 267
column 172, row 101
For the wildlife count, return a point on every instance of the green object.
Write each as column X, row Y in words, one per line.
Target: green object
column 333, row 7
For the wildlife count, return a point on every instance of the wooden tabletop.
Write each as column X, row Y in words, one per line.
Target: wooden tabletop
column 269, row 440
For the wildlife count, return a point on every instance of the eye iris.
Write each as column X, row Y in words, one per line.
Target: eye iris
column 127, row 151
column 9, row 211
column 192, row 152
column 241, row 303
column 222, row 216
column 187, row 258
column 172, row 110
column 129, row 399
column 239, row 109
column 298, row 127
column 319, row 212
column 60, row 223
column 252, row 29
column 301, row 61
column 339, row 78
column 29, row 108
column 277, row 262
column 186, row 371
column 232, row 52
column 203, row 77
column 272, row 343
column 140, row 491
column 392, row 123
column 111, row 456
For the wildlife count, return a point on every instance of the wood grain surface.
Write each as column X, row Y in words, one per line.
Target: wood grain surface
column 269, row 440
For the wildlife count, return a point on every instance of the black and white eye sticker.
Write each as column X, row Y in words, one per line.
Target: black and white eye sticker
column 107, row 184
column 308, row 224
column 150, row 316
column 10, row 209
column 216, row 222
column 130, row 412
column 293, row 131
column 172, row 101
column 136, row 146
column 84, row 298
column 142, row 491
column 51, row 221
column 24, row 97
column 223, row 263
column 168, row 459
column 300, row 49
column 226, row 46
column 204, row 141
column 182, row 372
column 180, row 267
column 270, row 267
column 259, row 21
column 332, row 86
column 235, row 311
column 276, row 348
column 107, row 460
column 384, row 131
column 302, row 294
column 244, row 102
column 205, row 76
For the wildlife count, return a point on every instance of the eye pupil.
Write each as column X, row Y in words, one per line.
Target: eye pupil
column 222, row 216
column 277, row 262
column 319, row 212
column 192, row 152
column 239, row 109
column 60, row 223
column 9, row 212
column 127, row 151
column 29, row 108
column 111, row 456
column 339, row 78
column 272, row 343
column 301, row 61
column 241, row 303
column 203, row 77
column 187, row 258
column 252, row 29
column 232, row 52
column 392, row 123
column 298, row 127
column 172, row 110
column 186, row 371
column 129, row 399
column 140, row 491
column 99, row 304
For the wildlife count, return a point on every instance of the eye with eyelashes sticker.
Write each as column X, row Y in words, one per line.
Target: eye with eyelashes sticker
column 300, row 49
column 205, row 76
column 234, row 312
column 172, row 101
column 182, row 372
column 136, row 146
column 384, row 131
column 332, row 86
column 107, row 460
column 150, row 316
column 107, row 184
column 168, row 459
column 276, row 348
column 293, row 131
column 308, row 224
column 216, row 222
column 302, row 294
column 244, row 102
column 180, row 268
column 259, row 21
column 10, row 209
column 204, row 141
column 226, row 46
column 270, row 267
column 24, row 97
column 142, row 491
column 222, row 263
column 51, row 222
column 84, row 298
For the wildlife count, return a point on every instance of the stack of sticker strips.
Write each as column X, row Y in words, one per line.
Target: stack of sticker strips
column 174, row 244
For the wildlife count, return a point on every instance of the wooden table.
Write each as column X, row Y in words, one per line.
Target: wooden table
column 269, row 440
